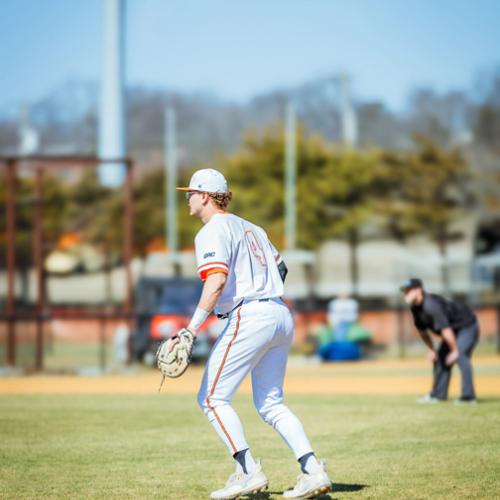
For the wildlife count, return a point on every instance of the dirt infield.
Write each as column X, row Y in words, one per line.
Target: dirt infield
column 367, row 377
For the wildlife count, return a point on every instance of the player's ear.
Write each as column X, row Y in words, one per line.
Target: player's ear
column 205, row 198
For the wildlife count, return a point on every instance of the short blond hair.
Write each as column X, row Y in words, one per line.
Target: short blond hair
column 221, row 200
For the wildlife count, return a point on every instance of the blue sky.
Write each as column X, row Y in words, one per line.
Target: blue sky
column 237, row 49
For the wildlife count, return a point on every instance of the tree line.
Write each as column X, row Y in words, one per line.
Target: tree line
column 67, row 118
column 343, row 194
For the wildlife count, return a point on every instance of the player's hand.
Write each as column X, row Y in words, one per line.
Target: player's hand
column 174, row 355
column 431, row 355
column 451, row 357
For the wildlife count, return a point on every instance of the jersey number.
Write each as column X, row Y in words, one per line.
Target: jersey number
column 255, row 247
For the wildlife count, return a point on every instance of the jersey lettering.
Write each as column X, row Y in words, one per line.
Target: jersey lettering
column 255, row 247
column 231, row 245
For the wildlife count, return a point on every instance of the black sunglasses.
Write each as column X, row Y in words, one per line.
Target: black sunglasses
column 191, row 193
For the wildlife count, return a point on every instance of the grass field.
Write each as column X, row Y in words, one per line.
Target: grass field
column 139, row 446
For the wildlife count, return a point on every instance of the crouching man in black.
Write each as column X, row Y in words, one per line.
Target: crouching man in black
column 457, row 325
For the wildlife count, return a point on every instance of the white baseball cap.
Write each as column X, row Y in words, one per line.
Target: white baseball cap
column 207, row 180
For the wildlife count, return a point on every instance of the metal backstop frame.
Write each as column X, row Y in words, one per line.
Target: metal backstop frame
column 41, row 312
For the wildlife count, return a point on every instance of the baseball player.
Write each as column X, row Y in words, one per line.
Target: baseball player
column 457, row 325
column 243, row 277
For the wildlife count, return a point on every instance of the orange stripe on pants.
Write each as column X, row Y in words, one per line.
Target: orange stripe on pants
column 217, row 379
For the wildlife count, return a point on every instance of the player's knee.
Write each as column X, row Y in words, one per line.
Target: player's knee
column 262, row 408
column 265, row 415
column 463, row 359
column 202, row 401
column 209, row 403
column 270, row 413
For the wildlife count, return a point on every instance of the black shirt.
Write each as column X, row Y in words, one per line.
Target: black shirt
column 436, row 313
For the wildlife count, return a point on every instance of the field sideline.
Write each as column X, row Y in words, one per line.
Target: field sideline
column 115, row 437
column 378, row 377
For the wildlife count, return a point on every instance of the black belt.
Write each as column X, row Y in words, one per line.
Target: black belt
column 226, row 315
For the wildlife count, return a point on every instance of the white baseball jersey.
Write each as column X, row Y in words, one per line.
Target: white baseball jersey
column 257, row 336
column 232, row 245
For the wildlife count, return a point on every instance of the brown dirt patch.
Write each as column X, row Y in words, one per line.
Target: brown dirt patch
column 367, row 377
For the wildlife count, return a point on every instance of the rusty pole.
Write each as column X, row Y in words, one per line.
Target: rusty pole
column 400, row 317
column 38, row 254
column 127, row 250
column 11, row 261
column 498, row 328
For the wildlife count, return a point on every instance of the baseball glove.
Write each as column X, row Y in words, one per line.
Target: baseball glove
column 174, row 355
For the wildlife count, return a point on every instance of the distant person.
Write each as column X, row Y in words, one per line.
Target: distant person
column 342, row 314
column 342, row 317
column 121, row 337
column 457, row 325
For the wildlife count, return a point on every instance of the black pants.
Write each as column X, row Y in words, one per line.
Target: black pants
column 466, row 340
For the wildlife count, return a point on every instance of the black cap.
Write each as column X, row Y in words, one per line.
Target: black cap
column 411, row 283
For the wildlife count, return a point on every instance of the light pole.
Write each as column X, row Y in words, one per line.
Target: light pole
column 170, row 183
column 290, row 179
column 112, row 143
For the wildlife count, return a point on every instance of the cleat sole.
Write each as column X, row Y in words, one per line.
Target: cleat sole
column 256, row 489
column 318, row 492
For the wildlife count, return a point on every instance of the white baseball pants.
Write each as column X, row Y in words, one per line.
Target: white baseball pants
column 256, row 339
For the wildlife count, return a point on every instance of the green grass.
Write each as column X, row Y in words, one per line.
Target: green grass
column 161, row 446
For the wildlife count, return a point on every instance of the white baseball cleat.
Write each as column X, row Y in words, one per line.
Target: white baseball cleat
column 242, row 484
column 427, row 399
column 311, row 485
column 465, row 401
